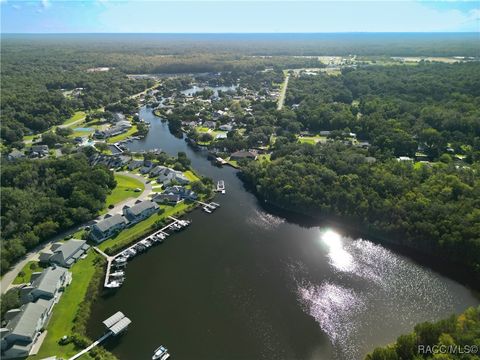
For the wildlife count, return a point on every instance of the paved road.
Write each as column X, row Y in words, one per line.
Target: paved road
column 283, row 91
column 33, row 255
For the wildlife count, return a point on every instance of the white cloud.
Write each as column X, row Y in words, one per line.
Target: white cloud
column 45, row 3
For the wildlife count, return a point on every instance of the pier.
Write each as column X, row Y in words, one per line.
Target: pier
column 208, row 208
column 115, row 324
column 115, row 275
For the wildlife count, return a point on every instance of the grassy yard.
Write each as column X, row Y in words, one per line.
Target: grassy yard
column 312, row 139
column 64, row 312
column 77, row 116
column 191, row 176
column 28, row 269
column 137, row 231
column 123, row 136
column 125, row 189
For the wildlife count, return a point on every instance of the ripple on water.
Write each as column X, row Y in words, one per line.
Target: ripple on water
column 333, row 307
column 369, row 287
column 264, row 220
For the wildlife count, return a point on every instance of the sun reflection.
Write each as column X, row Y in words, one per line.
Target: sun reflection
column 339, row 257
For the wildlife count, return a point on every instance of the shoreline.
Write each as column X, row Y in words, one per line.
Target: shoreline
column 438, row 263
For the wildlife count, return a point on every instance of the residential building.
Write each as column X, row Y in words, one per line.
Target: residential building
column 181, row 191
column 39, row 150
column 23, row 328
column 167, row 198
column 65, row 254
column 15, row 154
column 239, row 155
column 46, row 285
column 140, row 211
column 167, row 176
column 107, row 227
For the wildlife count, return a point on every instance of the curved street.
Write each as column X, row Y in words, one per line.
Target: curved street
column 33, row 254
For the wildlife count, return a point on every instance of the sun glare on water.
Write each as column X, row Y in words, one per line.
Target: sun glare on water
column 340, row 259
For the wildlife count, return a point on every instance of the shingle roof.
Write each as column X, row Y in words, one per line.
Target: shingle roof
column 110, row 222
column 70, row 248
column 25, row 323
column 142, row 206
column 49, row 279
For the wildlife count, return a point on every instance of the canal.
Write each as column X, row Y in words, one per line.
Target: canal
column 243, row 283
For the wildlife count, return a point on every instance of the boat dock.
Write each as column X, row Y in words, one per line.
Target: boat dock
column 115, row 273
column 208, row 208
column 115, row 324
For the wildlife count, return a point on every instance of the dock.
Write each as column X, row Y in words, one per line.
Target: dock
column 115, row 325
column 208, row 208
column 115, row 274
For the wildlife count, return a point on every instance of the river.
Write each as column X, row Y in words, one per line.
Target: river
column 243, row 283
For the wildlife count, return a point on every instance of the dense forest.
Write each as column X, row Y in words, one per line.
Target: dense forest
column 398, row 109
column 42, row 198
column 430, row 208
column 455, row 338
column 37, row 86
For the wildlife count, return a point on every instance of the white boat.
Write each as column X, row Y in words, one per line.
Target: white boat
column 161, row 353
column 207, row 210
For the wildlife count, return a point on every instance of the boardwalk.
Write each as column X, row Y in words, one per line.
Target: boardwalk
column 87, row 349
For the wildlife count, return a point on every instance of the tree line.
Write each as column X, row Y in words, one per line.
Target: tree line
column 433, row 209
column 42, row 198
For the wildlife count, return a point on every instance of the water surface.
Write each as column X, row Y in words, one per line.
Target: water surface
column 245, row 284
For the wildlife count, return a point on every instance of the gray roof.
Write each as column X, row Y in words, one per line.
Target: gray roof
column 49, row 279
column 137, row 209
column 25, row 323
column 113, row 319
column 70, row 248
column 110, row 222
column 120, row 326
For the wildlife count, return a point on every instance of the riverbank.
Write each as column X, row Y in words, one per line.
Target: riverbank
column 453, row 270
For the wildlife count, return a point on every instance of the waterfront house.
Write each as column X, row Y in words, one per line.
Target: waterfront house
column 183, row 192
column 65, row 254
column 23, row 328
column 167, row 176
column 167, row 198
column 240, row 155
column 46, row 285
column 107, row 227
column 210, row 124
column 140, row 211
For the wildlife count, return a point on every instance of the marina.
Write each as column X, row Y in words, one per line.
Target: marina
column 115, row 271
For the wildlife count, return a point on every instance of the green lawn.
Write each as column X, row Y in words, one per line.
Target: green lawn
column 191, row 176
column 125, row 189
column 28, row 272
column 77, row 116
column 64, row 312
column 312, row 139
column 123, row 136
column 137, row 231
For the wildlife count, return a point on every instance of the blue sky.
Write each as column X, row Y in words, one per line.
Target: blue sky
column 95, row 16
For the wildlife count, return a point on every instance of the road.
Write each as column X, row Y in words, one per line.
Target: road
column 281, row 98
column 33, row 255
